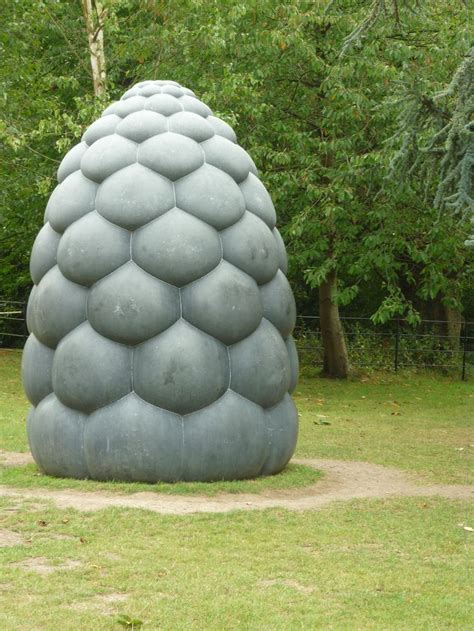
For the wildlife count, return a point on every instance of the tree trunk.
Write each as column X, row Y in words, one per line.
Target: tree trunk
column 336, row 360
column 94, row 16
column 454, row 322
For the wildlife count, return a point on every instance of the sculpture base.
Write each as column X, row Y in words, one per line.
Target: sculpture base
column 133, row 441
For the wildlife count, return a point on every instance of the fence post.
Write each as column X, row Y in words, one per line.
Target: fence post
column 464, row 352
column 397, row 345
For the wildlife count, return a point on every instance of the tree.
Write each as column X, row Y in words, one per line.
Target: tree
column 317, row 125
column 436, row 139
column 94, row 17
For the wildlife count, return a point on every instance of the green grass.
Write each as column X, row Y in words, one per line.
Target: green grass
column 418, row 422
column 398, row 564
column 13, row 405
column 293, row 476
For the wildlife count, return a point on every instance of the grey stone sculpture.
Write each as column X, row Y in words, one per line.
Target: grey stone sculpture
column 161, row 316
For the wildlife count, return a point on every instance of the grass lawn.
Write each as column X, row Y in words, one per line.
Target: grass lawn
column 417, row 422
column 400, row 564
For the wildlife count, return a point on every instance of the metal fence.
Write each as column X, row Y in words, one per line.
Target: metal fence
column 13, row 331
column 393, row 345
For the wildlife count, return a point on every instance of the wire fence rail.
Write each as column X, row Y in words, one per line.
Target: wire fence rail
column 393, row 345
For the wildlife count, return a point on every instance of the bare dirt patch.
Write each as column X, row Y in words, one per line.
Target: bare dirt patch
column 9, row 538
column 104, row 604
column 41, row 565
column 15, row 458
column 285, row 582
column 343, row 481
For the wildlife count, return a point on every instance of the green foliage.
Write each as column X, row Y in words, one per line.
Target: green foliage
column 437, row 140
column 316, row 124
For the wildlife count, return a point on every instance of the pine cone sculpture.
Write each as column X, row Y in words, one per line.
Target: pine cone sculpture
column 161, row 316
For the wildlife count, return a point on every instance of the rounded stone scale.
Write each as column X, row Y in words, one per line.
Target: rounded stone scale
column 160, row 318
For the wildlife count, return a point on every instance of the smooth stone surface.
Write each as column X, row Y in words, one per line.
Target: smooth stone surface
column 225, row 303
column 281, row 251
column 260, row 366
column 228, row 157
column 282, row 427
column 190, row 125
column 134, row 441
column 160, row 322
column 92, row 248
column 181, row 370
column 211, row 195
column 148, row 90
column 222, row 128
column 102, row 127
column 131, row 105
column 191, row 104
column 70, row 200
column 171, row 155
column 71, row 161
column 177, row 248
column 164, row 104
column 294, row 363
column 279, row 304
column 174, row 90
column 142, row 125
column 90, row 371
column 57, row 307
column 130, row 306
column 37, row 383
column 257, row 200
column 249, row 245
column 226, row 440
column 44, row 252
column 134, row 196
column 107, row 155
column 55, row 436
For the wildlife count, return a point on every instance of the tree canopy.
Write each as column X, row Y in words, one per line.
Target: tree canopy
column 361, row 128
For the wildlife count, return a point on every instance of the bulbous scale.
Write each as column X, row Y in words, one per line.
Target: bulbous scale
column 161, row 316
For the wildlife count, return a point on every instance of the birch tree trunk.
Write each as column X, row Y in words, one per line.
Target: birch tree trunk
column 94, row 16
column 336, row 360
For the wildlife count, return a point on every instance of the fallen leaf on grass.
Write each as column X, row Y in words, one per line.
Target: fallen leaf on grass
column 130, row 623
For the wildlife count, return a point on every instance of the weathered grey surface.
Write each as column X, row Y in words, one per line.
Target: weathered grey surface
column 161, row 316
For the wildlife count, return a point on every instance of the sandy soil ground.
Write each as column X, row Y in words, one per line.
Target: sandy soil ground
column 343, row 481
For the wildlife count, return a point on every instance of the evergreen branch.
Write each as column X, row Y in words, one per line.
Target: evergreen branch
column 438, row 141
